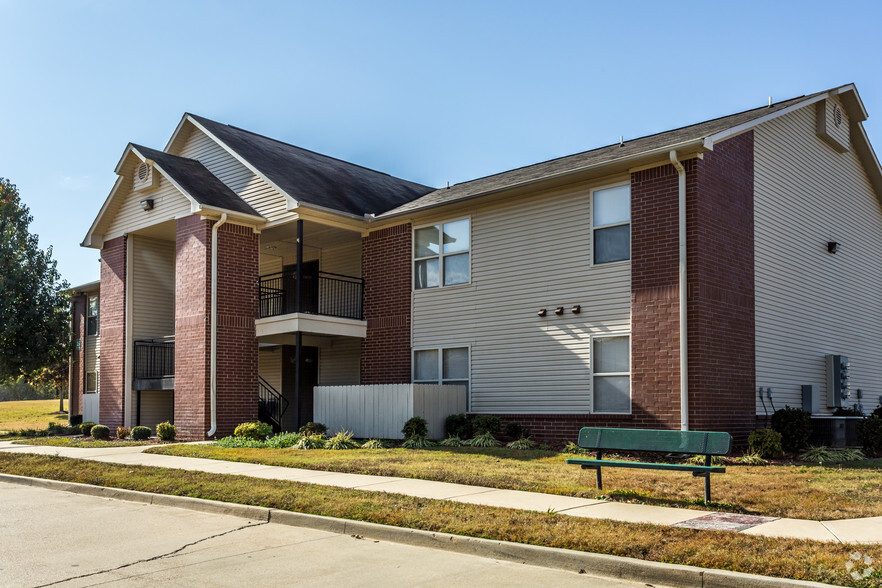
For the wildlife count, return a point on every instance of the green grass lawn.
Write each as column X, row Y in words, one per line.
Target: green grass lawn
column 788, row 558
column 29, row 414
column 793, row 491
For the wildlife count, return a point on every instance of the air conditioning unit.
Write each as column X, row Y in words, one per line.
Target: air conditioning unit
column 145, row 177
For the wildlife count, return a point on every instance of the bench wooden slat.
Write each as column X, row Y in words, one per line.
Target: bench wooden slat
column 680, row 467
column 664, row 441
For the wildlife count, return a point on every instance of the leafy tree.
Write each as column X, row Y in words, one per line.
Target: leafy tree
column 34, row 303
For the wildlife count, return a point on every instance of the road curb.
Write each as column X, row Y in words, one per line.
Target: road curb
column 599, row 564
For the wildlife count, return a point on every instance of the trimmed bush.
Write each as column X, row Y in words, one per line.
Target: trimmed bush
column 239, row 442
column 849, row 412
column 100, row 433
column 514, row 430
column 869, row 432
column 486, row 423
column 457, row 425
column 795, row 426
column 140, row 433
column 76, row 420
column 415, row 427
column 282, row 440
column 86, row 428
column 258, row 431
column 877, row 413
column 312, row 428
column 122, row 432
column 166, row 431
column 765, row 442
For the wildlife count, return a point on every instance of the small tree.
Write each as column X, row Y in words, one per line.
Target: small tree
column 34, row 304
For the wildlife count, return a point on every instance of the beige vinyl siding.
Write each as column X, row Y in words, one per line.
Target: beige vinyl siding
column 270, row 366
column 526, row 255
column 340, row 362
column 253, row 190
column 128, row 216
column 809, row 302
column 93, row 351
column 153, row 287
column 157, row 406
column 342, row 259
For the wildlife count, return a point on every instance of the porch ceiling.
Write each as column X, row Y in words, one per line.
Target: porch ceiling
column 282, row 240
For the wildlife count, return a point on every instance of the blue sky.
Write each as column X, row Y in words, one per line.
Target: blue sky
column 431, row 92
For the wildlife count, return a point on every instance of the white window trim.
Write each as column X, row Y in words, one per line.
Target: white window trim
column 86, row 383
column 97, row 317
column 594, row 228
column 414, row 259
column 628, row 373
column 440, row 380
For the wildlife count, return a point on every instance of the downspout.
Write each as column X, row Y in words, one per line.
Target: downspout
column 684, row 363
column 213, row 358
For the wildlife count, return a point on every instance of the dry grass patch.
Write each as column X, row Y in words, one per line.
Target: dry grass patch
column 792, row 491
column 29, row 414
column 789, row 558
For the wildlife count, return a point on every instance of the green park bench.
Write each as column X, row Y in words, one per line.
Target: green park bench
column 653, row 440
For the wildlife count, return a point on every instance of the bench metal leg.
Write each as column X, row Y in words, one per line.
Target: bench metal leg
column 599, row 479
column 707, row 489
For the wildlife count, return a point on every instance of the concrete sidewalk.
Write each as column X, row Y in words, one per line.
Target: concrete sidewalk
column 868, row 530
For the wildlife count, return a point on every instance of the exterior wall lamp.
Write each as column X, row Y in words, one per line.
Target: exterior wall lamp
column 832, row 246
column 576, row 309
column 147, row 204
column 558, row 311
column 542, row 312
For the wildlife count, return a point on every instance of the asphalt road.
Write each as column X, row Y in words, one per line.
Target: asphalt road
column 53, row 538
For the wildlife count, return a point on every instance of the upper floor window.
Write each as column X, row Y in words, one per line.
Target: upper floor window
column 92, row 316
column 441, row 255
column 611, row 218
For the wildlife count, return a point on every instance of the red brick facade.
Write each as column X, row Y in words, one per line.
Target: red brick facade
column 113, row 333
column 236, row 340
column 385, row 262
column 78, row 357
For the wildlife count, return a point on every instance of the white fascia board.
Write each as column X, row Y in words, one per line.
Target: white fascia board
column 238, row 157
column 867, row 155
column 238, row 217
column 89, row 240
column 177, row 132
column 306, row 207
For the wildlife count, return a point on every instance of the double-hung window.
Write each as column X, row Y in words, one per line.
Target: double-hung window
column 611, row 224
column 92, row 316
column 91, row 382
column 448, row 365
column 611, row 373
column 441, row 255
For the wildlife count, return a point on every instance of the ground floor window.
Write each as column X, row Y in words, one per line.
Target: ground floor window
column 91, row 382
column 447, row 365
column 611, row 373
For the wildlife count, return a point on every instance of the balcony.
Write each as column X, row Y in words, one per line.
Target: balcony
column 327, row 303
column 154, row 364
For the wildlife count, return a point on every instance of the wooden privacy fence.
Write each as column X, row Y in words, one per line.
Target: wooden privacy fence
column 379, row 411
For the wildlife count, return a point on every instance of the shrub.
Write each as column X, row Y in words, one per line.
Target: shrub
column 869, row 432
column 258, row 431
column 140, row 433
column 312, row 428
column 239, row 442
column 374, row 444
column 850, row 412
column 416, row 442
column 100, row 432
column 765, row 443
column 166, row 431
column 754, row 459
column 521, row 443
column 122, row 432
column 514, row 430
column 415, row 427
column 76, row 420
column 571, row 447
column 795, row 426
column 484, row 440
column 310, row 442
column 877, row 413
column 457, row 425
column 486, row 423
column 822, row 455
column 282, row 440
column 342, row 440
column 716, row 460
column 86, row 428
column 452, row 441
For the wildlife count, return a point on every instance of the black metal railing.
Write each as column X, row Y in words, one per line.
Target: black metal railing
column 154, row 358
column 271, row 405
column 322, row 293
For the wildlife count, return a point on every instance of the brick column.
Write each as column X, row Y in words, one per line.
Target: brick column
column 236, row 340
column 78, row 356
column 113, row 333
column 385, row 261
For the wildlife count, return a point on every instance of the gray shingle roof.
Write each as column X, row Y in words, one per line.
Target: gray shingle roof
column 595, row 157
column 198, row 182
column 315, row 178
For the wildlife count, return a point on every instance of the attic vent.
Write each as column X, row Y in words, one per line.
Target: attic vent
column 144, row 169
column 837, row 115
column 144, row 177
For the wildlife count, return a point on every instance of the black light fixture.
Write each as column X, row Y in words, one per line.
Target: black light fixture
column 147, row 204
column 577, row 309
column 832, row 246
column 541, row 312
column 559, row 310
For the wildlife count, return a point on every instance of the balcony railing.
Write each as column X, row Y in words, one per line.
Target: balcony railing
column 322, row 293
column 154, row 359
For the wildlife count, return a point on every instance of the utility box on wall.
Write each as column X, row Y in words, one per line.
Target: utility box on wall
column 837, row 380
column 811, row 399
